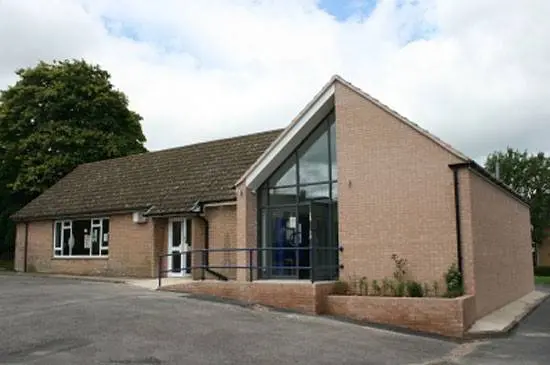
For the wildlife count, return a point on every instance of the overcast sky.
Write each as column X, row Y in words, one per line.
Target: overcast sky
column 474, row 72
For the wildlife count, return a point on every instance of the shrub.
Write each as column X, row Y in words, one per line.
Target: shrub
column 400, row 271
column 387, row 288
column 340, row 288
column 542, row 271
column 376, row 290
column 363, row 286
column 455, row 286
column 414, row 289
column 400, row 289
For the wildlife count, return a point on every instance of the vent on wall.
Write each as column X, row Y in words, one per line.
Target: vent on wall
column 139, row 218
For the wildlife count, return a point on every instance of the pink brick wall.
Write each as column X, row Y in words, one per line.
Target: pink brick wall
column 301, row 296
column 498, row 240
column 396, row 194
column 130, row 251
column 448, row 317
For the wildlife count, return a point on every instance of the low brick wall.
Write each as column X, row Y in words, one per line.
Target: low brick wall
column 304, row 297
column 447, row 317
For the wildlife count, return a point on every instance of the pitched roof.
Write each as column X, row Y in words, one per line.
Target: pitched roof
column 167, row 181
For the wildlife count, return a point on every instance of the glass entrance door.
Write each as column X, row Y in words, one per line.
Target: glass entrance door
column 179, row 244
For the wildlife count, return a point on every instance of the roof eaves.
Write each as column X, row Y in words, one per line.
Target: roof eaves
column 471, row 164
column 287, row 129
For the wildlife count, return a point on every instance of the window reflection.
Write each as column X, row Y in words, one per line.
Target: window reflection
column 299, row 215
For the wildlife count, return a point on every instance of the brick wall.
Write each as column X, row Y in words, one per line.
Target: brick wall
column 246, row 226
column 130, row 250
column 500, row 234
column 222, row 225
column 300, row 296
column 19, row 264
column 446, row 317
column 396, row 194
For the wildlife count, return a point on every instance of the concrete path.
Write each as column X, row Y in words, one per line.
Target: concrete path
column 151, row 284
column 501, row 321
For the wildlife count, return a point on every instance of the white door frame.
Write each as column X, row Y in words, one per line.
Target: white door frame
column 182, row 248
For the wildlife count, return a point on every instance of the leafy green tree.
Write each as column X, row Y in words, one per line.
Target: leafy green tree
column 529, row 175
column 56, row 116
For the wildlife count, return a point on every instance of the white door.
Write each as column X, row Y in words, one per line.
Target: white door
column 179, row 244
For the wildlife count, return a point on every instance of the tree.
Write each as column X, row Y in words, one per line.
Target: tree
column 529, row 175
column 56, row 116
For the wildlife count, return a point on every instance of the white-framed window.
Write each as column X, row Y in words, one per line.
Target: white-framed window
column 81, row 238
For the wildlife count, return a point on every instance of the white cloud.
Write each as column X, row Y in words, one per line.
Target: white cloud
column 201, row 70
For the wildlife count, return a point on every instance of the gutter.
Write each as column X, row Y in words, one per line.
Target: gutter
column 457, row 218
column 474, row 166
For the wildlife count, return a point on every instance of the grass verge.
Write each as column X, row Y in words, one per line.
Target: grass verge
column 542, row 280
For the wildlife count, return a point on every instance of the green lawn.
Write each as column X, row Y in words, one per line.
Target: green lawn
column 542, row 280
column 6, row 265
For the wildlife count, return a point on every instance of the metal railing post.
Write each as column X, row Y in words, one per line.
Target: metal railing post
column 203, row 272
column 160, row 270
column 250, row 271
column 312, row 263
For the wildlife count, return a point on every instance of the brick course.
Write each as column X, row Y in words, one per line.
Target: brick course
column 447, row 317
column 304, row 297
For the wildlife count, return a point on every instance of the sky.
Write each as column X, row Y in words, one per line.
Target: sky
column 473, row 72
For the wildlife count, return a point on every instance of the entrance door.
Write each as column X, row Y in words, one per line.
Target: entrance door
column 179, row 244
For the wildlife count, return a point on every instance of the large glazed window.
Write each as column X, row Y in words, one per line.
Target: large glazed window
column 81, row 238
column 298, row 215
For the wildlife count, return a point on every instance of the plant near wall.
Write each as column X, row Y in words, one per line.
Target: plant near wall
column 363, row 286
column 400, row 289
column 414, row 289
column 454, row 281
column 388, row 288
column 376, row 289
column 400, row 271
column 340, row 288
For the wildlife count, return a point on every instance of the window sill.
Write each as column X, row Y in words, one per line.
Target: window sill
column 80, row 257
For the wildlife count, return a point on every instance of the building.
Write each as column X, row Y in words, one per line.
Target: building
column 347, row 184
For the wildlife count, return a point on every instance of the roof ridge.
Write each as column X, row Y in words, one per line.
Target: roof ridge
column 184, row 146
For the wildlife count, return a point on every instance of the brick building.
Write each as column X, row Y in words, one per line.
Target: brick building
column 347, row 184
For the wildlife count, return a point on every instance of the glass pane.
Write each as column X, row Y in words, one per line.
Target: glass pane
column 279, row 196
column 81, row 238
column 176, row 261
column 104, row 252
column 283, row 237
column 314, row 192
column 96, row 233
column 313, row 157
column 286, row 174
column 320, row 239
column 176, row 234
column 57, row 243
column 303, row 242
column 105, row 238
column 188, row 232
column 188, row 263
column 333, row 161
column 66, row 241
